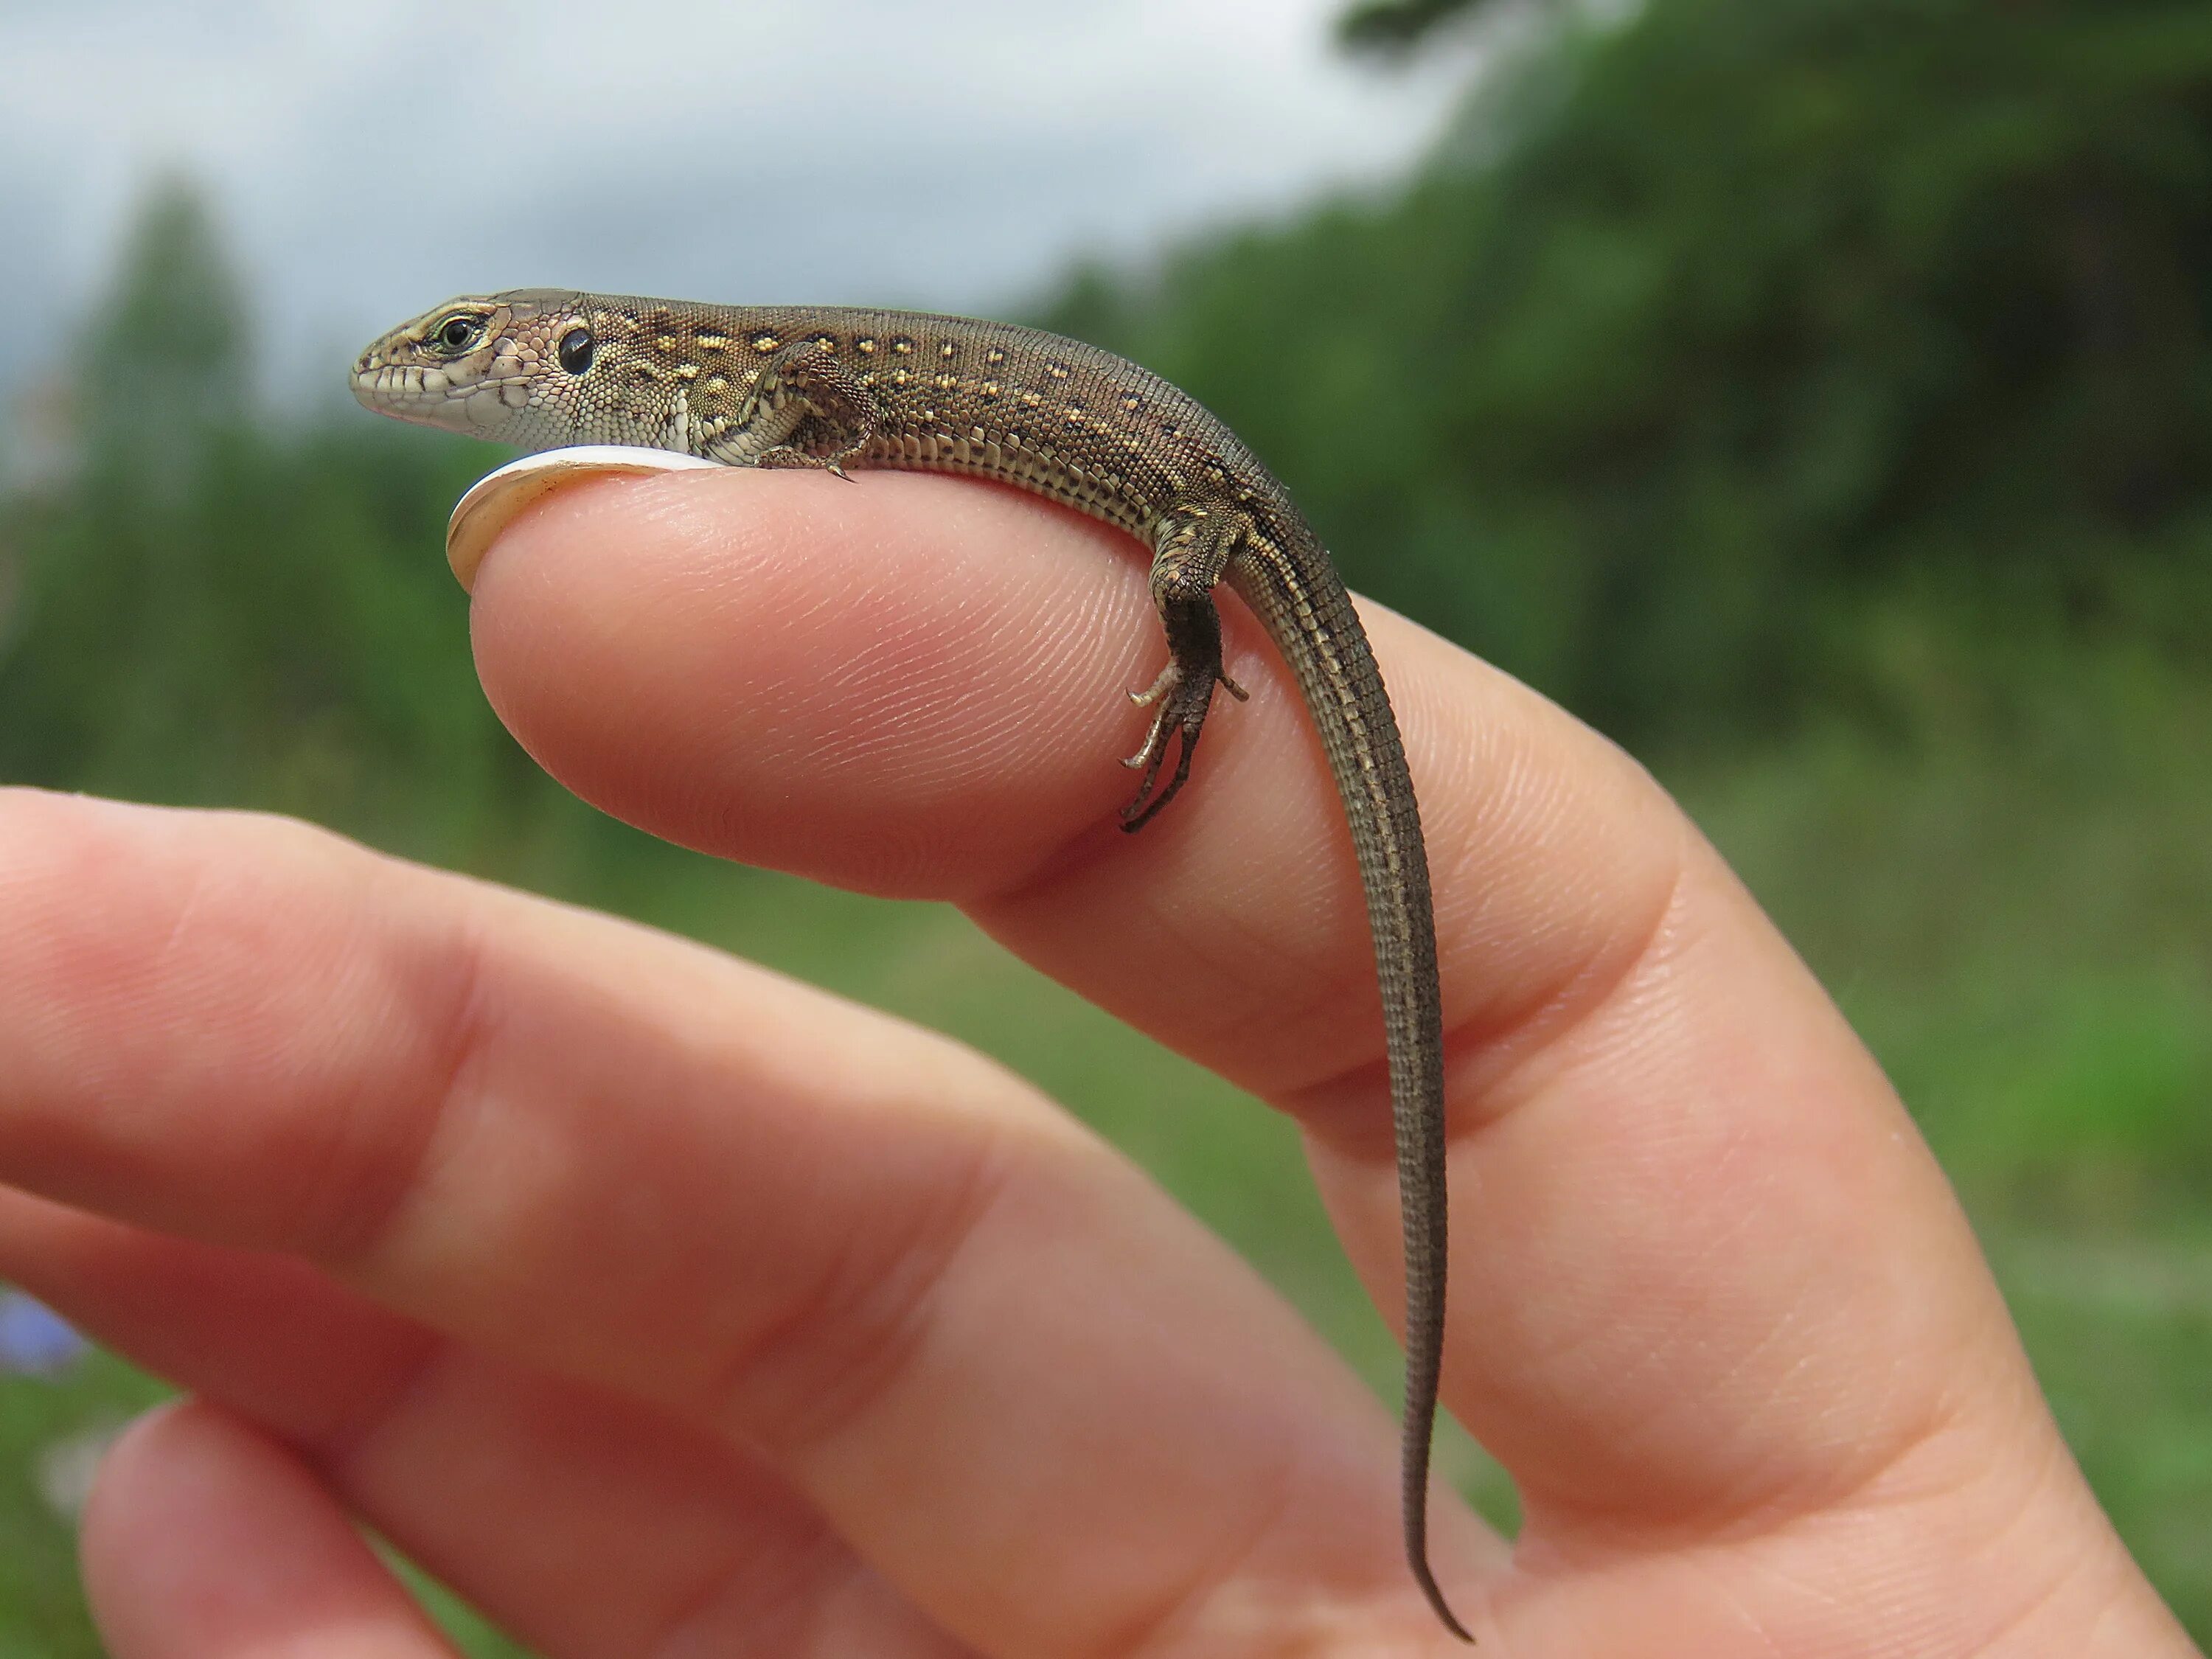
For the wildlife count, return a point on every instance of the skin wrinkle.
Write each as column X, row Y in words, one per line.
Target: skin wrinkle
column 1812, row 1480
column 345, row 1447
column 1491, row 1050
column 1764, row 1490
column 226, row 931
column 1484, row 1040
column 1580, row 1546
column 458, row 967
column 1835, row 1605
column 1095, row 846
column 1651, row 1363
column 179, row 924
column 429, row 1410
column 464, row 1102
column 1180, row 1609
column 1579, row 1536
column 127, row 1271
column 835, row 1355
column 2059, row 1473
column 1095, row 849
column 327, row 1201
column 696, row 1612
column 2044, row 1590
column 1747, row 1623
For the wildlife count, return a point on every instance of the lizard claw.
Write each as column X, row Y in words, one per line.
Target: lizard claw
column 1180, row 708
column 1153, row 740
column 1171, row 676
column 1158, row 688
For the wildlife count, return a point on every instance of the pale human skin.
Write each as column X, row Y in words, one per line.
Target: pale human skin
column 666, row 1307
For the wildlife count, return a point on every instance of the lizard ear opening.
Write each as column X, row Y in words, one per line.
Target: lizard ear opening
column 576, row 348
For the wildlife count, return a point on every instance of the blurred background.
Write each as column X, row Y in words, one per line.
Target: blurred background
column 1815, row 394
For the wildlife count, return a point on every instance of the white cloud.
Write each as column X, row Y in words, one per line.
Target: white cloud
column 372, row 157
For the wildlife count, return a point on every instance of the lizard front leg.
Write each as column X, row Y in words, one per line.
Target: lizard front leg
column 1191, row 549
column 842, row 414
column 807, row 411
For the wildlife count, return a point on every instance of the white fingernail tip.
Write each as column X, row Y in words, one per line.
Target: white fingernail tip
column 493, row 502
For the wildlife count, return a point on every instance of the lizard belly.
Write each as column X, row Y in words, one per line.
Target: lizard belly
column 1006, row 457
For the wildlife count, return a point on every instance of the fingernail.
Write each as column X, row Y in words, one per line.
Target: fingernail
column 495, row 500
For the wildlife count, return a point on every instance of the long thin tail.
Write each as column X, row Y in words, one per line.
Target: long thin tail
column 1284, row 575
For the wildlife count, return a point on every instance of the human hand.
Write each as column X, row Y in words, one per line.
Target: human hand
column 664, row 1306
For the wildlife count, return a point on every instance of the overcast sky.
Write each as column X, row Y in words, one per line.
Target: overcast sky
column 370, row 158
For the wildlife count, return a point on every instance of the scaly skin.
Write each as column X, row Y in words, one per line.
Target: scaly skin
column 836, row 388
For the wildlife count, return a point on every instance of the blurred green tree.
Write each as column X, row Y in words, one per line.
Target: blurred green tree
column 210, row 613
column 1394, row 26
column 163, row 369
column 1719, row 330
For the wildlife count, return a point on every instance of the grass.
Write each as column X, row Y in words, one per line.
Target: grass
column 2021, row 925
column 2013, row 905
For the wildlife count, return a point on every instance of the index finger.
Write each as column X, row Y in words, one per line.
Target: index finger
column 1668, row 1146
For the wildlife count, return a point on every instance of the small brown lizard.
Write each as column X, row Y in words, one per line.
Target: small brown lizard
column 817, row 386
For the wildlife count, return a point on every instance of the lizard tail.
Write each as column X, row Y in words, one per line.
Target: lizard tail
column 1318, row 633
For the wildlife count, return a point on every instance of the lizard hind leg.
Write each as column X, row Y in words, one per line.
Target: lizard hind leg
column 1192, row 548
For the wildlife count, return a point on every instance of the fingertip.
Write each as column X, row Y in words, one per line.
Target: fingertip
column 203, row 1539
column 877, row 684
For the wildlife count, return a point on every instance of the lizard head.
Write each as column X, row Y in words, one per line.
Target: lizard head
column 513, row 368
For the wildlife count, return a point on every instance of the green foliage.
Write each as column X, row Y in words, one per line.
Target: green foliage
column 165, row 368
column 222, row 616
column 2014, row 907
column 1392, row 26
column 1708, row 323
column 43, row 1427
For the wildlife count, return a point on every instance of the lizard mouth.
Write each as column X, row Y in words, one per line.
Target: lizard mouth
column 435, row 397
column 385, row 385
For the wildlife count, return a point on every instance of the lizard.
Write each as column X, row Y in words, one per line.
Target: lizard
column 837, row 388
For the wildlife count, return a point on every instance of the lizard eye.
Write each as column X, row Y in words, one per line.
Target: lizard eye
column 576, row 350
column 459, row 333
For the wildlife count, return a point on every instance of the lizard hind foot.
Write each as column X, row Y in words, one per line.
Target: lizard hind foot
column 1151, row 796
column 1179, row 703
column 1193, row 548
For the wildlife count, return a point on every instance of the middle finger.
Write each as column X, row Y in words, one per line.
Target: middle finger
column 972, row 1336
